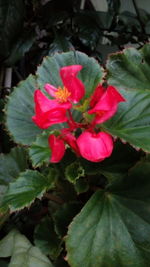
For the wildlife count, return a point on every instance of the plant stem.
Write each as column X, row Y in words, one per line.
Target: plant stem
column 8, row 78
column 54, row 198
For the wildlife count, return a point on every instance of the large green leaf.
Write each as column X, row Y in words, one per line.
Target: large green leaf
column 20, row 107
column 91, row 74
column 113, row 229
column 130, row 68
column 12, row 164
column 19, row 111
column 22, row 252
column 29, row 185
column 11, row 23
column 132, row 120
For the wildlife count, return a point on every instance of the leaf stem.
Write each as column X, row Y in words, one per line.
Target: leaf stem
column 8, row 78
column 54, row 198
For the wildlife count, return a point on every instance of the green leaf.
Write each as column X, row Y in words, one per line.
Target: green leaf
column 64, row 215
column 130, row 68
column 91, row 74
column 46, row 238
column 81, row 186
column 20, row 107
column 73, row 172
column 29, row 186
column 39, row 151
column 12, row 164
column 4, row 213
column 22, row 252
column 21, row 46
column 113, row 228
column 11, row 23
column 19, row 111
column 60, row 44
column 131, row 123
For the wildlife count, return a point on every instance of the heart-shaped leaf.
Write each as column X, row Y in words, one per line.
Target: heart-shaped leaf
column 20, row 107
column 113, row 229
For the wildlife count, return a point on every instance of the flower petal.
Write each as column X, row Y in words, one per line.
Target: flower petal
column 70, row 139
column 50, row 89
column 57, row 147
column 107, row 105
column 47, row 111
column 99, row 91
column 72, row 83
column 95, row 146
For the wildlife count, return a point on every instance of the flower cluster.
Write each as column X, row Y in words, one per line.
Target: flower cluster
column 92, row 144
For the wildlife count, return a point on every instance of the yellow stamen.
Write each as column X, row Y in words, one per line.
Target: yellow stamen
column 62, row 94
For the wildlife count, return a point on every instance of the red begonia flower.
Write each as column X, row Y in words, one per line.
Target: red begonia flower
column 48, row 111
column 73, row 89
column 95, row 146
column 105, row 103
column 57, row 147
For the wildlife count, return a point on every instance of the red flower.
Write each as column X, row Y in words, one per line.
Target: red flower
column 105, row 103
column 73, row 89
column 57, row 147
column 48, row 111
column 71, row 140
column 95, row 146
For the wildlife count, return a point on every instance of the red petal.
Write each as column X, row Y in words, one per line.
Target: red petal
column 71, row 140
column 99, row 91
column 95, row 147
column 47, row 111
column 57, row 147
column 72, row 83
column 107, row 105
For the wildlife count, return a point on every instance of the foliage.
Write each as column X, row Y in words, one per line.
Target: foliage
column 75, row 212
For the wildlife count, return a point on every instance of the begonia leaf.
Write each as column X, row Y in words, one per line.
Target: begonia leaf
column 67, row 211
column 90, row 75
column 39, row 151
column 12, row 164
column 19, row 110
column 22, row 252
column 113, row 228
column 20, row 106
column 81, row 185
column 130, row 68
column 46, row 239
column 131, row 123
column 74, row 171
column 29, row 186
